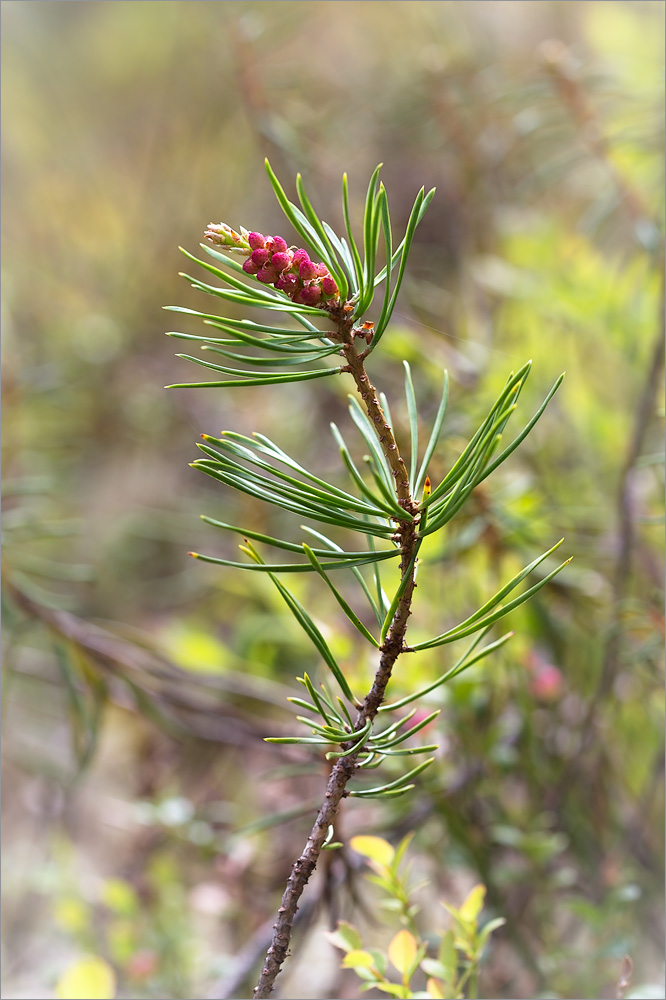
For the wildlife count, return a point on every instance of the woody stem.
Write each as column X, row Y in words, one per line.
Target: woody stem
column 344, row 768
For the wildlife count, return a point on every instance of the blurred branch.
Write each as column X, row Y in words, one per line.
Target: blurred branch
column 562, row 69
column 229, row 985
column 153, row 675
column 561, row 66
column 243, row 965
column 626, row 506
column 625, row 977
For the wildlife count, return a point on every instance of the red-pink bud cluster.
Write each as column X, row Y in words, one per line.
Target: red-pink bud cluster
column 291, row 271
column 271, row 261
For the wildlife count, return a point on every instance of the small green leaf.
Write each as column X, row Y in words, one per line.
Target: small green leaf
column 345, row 937
column 432, row 967
column 402, row 951
column 377, row 850
column 358, row 959
column 488, row 929
column 448, row 956
column 391, row 988
column 473, row 904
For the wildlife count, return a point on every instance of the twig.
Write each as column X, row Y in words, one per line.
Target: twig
column 625, row 977
column 228, row 985
column 345, row 767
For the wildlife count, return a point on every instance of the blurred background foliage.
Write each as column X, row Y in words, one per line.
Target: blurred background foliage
column 145, row 822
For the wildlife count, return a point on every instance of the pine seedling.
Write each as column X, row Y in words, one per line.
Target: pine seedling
column 328, row 305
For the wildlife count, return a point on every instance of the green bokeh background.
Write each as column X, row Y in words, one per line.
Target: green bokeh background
column 136, row 779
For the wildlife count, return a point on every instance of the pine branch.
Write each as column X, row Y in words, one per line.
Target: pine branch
column 340, row 290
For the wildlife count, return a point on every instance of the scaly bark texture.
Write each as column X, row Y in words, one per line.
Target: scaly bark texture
column 345, row 767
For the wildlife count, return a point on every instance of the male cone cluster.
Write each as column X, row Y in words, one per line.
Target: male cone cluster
column 272, row 262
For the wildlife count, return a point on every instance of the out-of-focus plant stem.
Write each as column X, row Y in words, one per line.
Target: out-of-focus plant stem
column 559, row 63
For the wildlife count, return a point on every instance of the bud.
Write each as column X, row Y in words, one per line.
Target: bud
column 278, row 245
column 256, row 241
column 322, row 270
column 299, row 257
column 287, row 283
column 279, row 260
column 250, row 267
column 266, row 275
column 259, row 256
column 307, row 270
column 329, row 287
column 224, row 236
column 310, row 295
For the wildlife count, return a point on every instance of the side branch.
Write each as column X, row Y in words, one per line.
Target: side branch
column 344, row 768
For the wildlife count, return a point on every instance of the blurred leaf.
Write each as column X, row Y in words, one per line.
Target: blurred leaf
column 402, row 951
column 120, row 897
column 345, row 937
column 357, row 960
column 435, row 991
column 473, row 904
column 377, row 850
column 87, row 979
